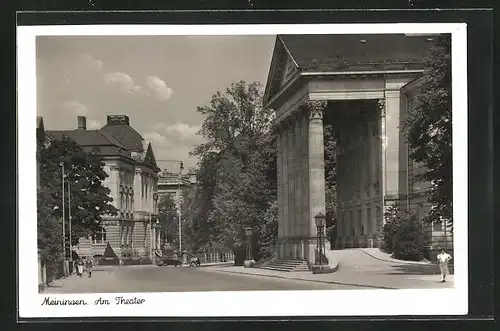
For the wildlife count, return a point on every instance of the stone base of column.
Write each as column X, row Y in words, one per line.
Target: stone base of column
column 293, row 248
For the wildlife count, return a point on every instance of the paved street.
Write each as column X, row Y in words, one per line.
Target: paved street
column 358, row 269
column 229, row 278
column 170, row 279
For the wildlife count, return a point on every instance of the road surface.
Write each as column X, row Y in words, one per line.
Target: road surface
column 132, row 279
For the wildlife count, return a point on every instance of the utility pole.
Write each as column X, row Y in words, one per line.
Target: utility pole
column 181, row 167
column 63, row 212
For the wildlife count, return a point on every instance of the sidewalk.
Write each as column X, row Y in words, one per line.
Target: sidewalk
column 377, row 254
column 74, row 284
column 357, row 280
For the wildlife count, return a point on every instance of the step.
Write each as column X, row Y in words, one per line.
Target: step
column 288, row 265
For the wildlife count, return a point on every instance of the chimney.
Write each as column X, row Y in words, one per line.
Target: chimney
column 118, row 120
column 82, row 123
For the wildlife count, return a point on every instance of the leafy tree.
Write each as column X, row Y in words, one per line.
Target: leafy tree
column 402, row 234
column 428, row 130
column 240, row 158
column 49, row 228
column 268, row 234
column 90, row 200
column 330, row 181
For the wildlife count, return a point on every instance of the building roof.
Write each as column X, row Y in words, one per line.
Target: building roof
column 116, row 138
column 353, row 52
column 298, row 55
column 118, row 127
column 106, row 144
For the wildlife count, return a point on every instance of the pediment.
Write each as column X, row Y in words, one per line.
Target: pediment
column 283, row 69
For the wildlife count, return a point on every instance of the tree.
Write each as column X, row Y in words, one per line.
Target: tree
column 268, row 234
column 90, row 200
column 330, row 181
column 428, row 130
column 240, row 157
column 402, row 234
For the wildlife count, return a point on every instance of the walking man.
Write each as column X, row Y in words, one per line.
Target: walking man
column 443, row 260
column 89, row 265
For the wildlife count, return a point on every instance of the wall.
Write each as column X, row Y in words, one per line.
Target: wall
column 358, row 174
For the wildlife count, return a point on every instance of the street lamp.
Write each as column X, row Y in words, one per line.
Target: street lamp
column 249, row 262
column 320, row 221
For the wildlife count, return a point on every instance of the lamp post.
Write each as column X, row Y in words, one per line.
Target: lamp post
column 320, row 220
column 249, row 261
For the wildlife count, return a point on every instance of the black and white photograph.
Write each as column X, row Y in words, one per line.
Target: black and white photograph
column 175, row 171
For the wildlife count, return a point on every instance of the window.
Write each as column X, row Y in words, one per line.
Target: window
column 437, row 226
column 369, row 220
column 99, row 237
column 360, row 222
column 351, row 221
column 344, row 224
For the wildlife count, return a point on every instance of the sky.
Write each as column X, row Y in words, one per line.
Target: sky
column 158, row 81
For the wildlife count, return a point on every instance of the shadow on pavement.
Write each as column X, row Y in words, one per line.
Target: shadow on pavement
column 409, row 269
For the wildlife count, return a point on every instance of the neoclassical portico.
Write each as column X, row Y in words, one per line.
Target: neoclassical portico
column 371, row 163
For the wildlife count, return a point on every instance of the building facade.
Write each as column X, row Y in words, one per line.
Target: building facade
column 132, row 180
column 360, row 85
column 173, row 184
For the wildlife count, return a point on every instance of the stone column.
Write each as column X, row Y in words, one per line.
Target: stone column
column 285, row 189
column 298, row 184
column 316, row 169
column 132, row 235
column 291, row 184
column 304, row 138
column 279, row 170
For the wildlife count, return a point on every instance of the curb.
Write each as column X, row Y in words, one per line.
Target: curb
column 397, row 261
column 309, row 280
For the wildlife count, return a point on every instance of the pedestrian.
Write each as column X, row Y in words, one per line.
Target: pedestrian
column 89, row 266
column 79, row 267
column 443, row 259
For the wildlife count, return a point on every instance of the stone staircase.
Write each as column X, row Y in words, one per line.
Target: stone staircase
column 289, row 265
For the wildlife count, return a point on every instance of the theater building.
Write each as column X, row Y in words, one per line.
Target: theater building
column 132, row 180
column 361, row 86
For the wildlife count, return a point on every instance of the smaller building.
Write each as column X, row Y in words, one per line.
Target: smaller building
column 172, row 185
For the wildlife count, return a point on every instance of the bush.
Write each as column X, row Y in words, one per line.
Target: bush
column 403, row 235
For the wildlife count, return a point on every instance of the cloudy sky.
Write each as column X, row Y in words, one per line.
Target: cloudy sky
column 158, row 81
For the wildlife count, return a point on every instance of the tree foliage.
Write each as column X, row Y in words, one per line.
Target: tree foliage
column 428, row 130
column 330, row 181
column 237, row 173
column 402, row 234
column 90, row 200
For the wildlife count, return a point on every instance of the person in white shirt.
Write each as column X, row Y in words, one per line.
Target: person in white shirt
column 443, row 259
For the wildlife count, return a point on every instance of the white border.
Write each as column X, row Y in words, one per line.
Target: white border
column 282, row 303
